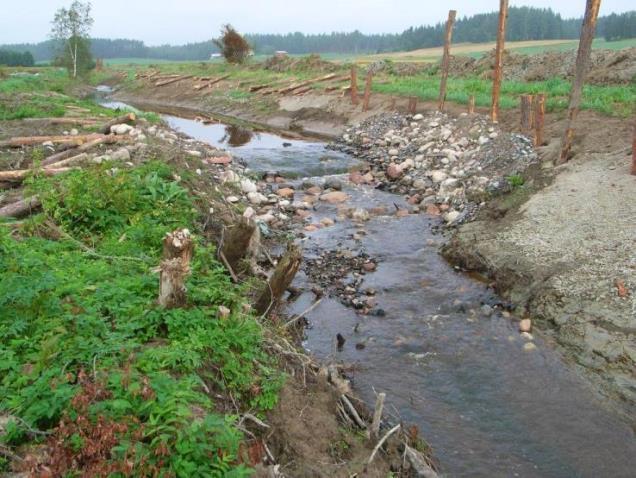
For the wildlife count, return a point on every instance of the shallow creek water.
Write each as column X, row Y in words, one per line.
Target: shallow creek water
column 486, row 406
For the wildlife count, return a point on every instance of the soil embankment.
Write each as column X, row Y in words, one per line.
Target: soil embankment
column 560, row 247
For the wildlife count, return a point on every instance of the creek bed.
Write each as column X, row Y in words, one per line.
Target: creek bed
column 450, row 362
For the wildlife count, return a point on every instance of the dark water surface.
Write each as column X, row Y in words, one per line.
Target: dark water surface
column 488, row 407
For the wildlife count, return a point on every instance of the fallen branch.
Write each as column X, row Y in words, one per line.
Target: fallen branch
column 353, row 412
column 19, row 175
column 280, row 280
column 21, row 208
column 381, row 442
column 127, row 118
column 304, row 313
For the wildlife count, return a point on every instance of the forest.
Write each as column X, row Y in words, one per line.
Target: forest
column 524, row 23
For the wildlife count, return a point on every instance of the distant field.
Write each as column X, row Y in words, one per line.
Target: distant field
column 477, row 50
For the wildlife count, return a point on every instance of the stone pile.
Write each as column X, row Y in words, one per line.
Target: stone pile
column 445, row 165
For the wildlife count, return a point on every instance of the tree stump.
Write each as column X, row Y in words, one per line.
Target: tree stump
column 280, row 280
column 178, row 248
column 240, row 241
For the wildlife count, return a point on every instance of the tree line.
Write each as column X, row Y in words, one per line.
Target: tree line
column 16, row 58
column 524, row 23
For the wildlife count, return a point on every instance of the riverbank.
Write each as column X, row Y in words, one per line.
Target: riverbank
column 517, row 236
column 99, row 378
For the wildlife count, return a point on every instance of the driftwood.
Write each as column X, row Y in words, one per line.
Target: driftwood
column 19, row 175
column 239, row 242
column 80, row 149
column 381, row 442
column 127, row 118
column 303, row 313
column 178, row 248
column 31, row 140
column 353, row 413
column 21, row 208
column 173, row 80
column 280, row 279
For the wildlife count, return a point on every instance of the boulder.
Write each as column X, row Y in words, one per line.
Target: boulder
column 334, row 197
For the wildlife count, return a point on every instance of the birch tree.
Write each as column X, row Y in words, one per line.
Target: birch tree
column 71, row 27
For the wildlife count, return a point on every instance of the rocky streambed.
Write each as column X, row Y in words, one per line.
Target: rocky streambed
column 492, row 400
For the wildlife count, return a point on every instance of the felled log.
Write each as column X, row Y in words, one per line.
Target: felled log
column 128, row 118
column 68, row 162
column 295, row 86
column 173, row 80
column 19, row 175
column 55, row 158
column 31, row 140
column 302, row 91
column 72, row 121
column 21, row 208
column 418, row 463
column 178, row 248
column 280, row 280
column 239, row 242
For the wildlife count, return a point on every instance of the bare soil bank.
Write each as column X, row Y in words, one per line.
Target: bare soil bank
column 561, row 248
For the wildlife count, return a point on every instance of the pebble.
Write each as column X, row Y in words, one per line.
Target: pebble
column 525, row 325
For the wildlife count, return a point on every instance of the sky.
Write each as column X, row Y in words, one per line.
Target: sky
column 181, row 21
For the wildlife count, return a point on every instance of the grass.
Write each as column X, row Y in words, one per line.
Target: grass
column 87, row 355
column 609, row 100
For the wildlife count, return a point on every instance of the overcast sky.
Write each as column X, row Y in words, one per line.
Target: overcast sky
column 181, row 21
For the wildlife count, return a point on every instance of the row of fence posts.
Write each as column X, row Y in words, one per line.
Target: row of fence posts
column 532, row 106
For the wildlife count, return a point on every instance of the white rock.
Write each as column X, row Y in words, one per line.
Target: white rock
column 529, row 347
column 418, row 117
column 74, row 132
column 232, row 199
column 256, row 198
column 393, row 152
column 266, row 218
column 483, row 140
column 451, row 216
column 360, row 215
column 229, row 176
column 48, row 144
column 248, row 186
column 438, row 176
column 121, row 129
column 196, row 154
column 249, row 213
column 121, row 154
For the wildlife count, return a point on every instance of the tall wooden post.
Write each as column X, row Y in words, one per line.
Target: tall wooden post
column 412, row 104
column 446, row 58
column 539, row 118
column 582, row 58
column 526, row 114
column 471, row 104
column 499, row 52
column 354, row 85
column 367, row 92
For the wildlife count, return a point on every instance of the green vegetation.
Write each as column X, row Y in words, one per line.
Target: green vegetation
column 14, row 58
column 610, row 100
column 83, row 343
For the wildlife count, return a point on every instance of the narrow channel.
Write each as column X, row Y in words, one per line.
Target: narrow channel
column 449, row 361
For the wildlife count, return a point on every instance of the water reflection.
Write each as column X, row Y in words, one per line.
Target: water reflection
column 237, row 136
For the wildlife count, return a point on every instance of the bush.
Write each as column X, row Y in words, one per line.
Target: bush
column 233, row 46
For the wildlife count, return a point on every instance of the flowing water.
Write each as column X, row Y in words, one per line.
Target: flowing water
column 488, row 407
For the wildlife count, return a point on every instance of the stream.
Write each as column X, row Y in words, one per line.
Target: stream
column 448, row 361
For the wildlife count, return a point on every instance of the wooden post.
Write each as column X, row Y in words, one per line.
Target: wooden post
column 582, row 58
column 471, row 104
column 392, row 104
column 354, row 85
column 526, row 121
column 634, row 151
column 446, row 58
column 377, row 417
column 178, row 248
column 412, row 104
column 499, row 52
column 367, row 92
column 539, row 119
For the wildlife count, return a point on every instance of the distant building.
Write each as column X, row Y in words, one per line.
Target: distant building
column 215, row 55
column 281, row 53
